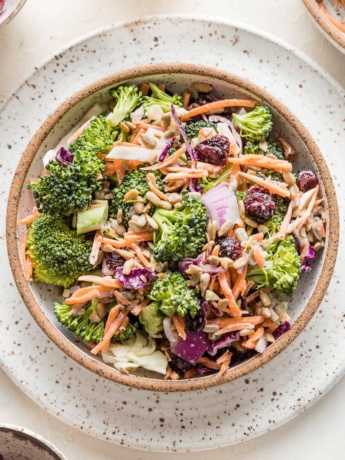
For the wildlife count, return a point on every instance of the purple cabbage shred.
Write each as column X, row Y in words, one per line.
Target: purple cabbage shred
column 189, row 149
column 139, row 277
column 223, row 342
column 166, row 150
column 310, row 256
column 64, row 156
column 281, row 330
column 193, row 185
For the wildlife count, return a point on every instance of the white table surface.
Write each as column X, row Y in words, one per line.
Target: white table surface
column 42, row 28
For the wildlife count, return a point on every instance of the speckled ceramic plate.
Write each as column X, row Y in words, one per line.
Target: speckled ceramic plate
column 329, row 30
column 11, row 8
column 18, row 443
column 204, row 419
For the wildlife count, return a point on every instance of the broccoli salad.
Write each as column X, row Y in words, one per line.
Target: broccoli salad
column 173, row 230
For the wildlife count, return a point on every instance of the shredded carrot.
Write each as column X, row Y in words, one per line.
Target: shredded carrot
column 284, row 225
column 95, row 248
column 262, row 161
column 224, row 367
column 139, row 237
column 224, row 357
column 115, row 326
column 29, row 219
column 102, row 281
column 212, row 169
column 212, row 283
column 174, row 375
column 168, row 161
column 136, row 137
column 193, row 174
column 209, row 363
column 223, row 322
column 111, row 318
column 140, row 255
column 300, row 221
column 215, row 250
column 212, row 106
column 86, row 294
column 180, row 325
column 270, row 185
column 146, row 126
column 235, row 311
column 151, row 181
column 237, row 286
column 268, row 323
column 252, row 341
column 138, row 308
column 190, row 373
column 258, row 254
column 115, row 243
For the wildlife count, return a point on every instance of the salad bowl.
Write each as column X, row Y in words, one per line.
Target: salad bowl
column 39, row 298
column 17, row 442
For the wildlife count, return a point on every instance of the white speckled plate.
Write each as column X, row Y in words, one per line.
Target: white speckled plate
column 219, row 416
column 10, row 10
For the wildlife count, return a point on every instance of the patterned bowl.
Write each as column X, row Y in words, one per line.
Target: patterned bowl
column 10, row 10
column 17, row 443
column 39, row 298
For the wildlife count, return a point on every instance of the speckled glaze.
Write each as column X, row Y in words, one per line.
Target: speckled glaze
column 11, row 9
column 176, row 77
column 217, row 416
column 18, row 443
column 330, row 31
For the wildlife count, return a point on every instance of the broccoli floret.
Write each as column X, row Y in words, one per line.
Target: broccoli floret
column 240, row 195
column 128, row 98
column 192, row 128
column 208, row 183
column 68, row 189
column 175, row 295
column 162, row 99
column 97, row 138
column 181, row 231
column 282, row 268
column 255, row 125
column 81, row 326
column 253, row 148
column 282, row 205
column 134, row 179
column 273, row 225
column 152, row 318
column 58, row 254
column 127, row 333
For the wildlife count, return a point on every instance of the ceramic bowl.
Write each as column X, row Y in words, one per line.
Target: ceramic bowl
column 39, row 298
column 18, row 443
column 11, row 8
column 329, row 30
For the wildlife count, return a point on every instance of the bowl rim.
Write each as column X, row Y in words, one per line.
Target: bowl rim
column 330, row 29
column 13, row 13
column 38, row 440
column 81, row 356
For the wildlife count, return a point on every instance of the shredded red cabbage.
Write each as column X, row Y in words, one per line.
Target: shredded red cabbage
column 310, row 255
column 166, row 150
column 191, row 349
column 184, row 265
column 64, row 156
column 281, row 330
column 193, row 185
column 139, row 277
column 223, row 342
column 183, row 134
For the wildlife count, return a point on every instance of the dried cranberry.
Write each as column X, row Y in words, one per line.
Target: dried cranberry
column 259, row 203
column 198, row 323
column 229, row 247
column 214, row 150
column 203, row 99
column 113, row 260
column 178, row 365
column 306, row 181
